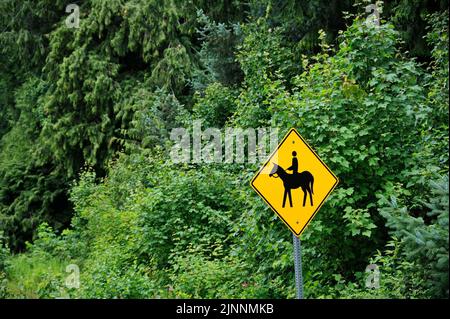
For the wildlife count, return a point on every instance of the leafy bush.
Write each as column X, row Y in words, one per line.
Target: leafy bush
column 151, row 115
column 358, row 107
column 395, row 278
column 216, row 106
column 266, row 64
column 424, row 239
column 145, row 227
column 31, row 189
column 135, row 227
column 216, row 56
column 34, row 277
column 4, row 253
column 208, row 274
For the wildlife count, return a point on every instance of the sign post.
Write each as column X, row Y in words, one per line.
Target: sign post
column 298, row 266
column 295, row 183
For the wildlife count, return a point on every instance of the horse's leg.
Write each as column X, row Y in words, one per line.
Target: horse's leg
column 290, row 198
column 284, row 197
column 310, row 196
column 304, row 196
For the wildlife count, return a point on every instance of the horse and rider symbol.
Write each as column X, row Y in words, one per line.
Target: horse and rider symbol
column 303, row 180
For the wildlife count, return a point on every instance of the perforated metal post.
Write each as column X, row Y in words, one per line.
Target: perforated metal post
column 298, row 266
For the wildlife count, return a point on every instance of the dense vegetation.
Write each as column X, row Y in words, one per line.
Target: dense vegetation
column 85, row 172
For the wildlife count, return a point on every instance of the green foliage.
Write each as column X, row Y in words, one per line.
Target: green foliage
column 438, row 94
column 107, row 219
column 197, row 276
column 34, row 277
column 152, row 115
column 424, row 238
column 4, row 253
column 270, row 265
column 132, row 229
column 396, row 278
column 216, row 56
column 68, row 90
column 216, row 106
column 23, row 26
column 357, row 107
column 31, row 188
column 266, row 64
column 7, row 113
column 301, row 21
column 263, row 55
column 409, row 18
column 182, row 210
column 86, row 114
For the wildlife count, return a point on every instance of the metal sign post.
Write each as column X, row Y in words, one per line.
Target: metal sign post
column 298, row 266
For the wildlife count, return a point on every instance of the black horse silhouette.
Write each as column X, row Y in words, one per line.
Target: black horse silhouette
column 305, row 180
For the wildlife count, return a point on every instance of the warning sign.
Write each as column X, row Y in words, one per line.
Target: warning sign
column 294, row 182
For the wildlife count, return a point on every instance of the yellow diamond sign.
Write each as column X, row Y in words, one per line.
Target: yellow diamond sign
column 294, row 182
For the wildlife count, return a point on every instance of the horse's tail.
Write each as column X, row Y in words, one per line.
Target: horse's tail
column 311, row 184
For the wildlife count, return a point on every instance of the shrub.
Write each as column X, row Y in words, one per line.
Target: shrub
column 4, row 253
column 216, row 106
column 33, row 276
column 424, row 239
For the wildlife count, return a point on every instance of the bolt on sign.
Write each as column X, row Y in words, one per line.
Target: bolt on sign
column 294, row 182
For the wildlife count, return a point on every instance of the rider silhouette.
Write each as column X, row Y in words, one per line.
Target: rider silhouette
column 294, row 166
